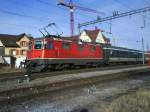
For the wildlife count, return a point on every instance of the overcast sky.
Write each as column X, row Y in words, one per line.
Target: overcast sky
column 27, row 16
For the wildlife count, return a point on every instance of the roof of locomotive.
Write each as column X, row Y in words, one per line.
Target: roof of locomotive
column 67, row 39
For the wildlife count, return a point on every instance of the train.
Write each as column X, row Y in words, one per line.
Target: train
column 54, row 52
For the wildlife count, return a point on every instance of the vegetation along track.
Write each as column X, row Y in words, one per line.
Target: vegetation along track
column 19, row 76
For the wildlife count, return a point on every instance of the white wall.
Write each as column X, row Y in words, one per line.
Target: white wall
column 84, row 37
column 100, row 38
column 18, row 60
column 7, row 60
column 1, row 44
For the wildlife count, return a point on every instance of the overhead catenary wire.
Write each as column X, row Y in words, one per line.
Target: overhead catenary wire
column 128, row 7
column 25, row 16
column 133, row 12
column 19, row 25
column 29, row 6
column 44, row 2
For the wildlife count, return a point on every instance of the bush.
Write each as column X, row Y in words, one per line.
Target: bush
column 138, row 102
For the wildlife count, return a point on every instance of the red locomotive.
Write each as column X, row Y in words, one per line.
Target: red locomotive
column 58, row 53
column 55, row 52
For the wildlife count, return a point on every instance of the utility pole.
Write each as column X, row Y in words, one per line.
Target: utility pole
column 143, row 51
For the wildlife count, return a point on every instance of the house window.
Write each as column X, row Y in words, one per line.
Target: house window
column 17, row 52
column 13, row 52
column 23, row 52
column 66, row 45
column 23, row 44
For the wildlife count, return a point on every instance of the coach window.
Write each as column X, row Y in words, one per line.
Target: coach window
column 66, row 45
column 38, row 45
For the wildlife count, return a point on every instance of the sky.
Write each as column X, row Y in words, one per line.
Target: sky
column 28, row 16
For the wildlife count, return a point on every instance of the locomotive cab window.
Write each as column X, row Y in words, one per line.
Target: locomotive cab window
column 38, row 45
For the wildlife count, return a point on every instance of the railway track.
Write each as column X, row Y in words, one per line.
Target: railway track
column 56, row 83
column 19, row 76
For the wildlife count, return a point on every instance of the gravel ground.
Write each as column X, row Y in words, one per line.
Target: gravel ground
column 94, row 97
column 13, row 84
column 9, row 70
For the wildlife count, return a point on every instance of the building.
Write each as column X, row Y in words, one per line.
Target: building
column 94, row 36
column 14, row 45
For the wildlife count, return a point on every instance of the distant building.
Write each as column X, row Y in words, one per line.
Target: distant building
column 15, row 46
column 94, row 36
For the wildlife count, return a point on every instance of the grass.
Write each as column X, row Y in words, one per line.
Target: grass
column 137, row 102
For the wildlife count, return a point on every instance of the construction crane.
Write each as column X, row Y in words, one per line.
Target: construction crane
column 72, row 8
column 115, row 16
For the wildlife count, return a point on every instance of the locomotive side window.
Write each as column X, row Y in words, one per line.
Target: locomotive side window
column 80, row 47
column 48, row 45
column 38, row 45
column 51, row 45
column 93, row 48
column 66, row 45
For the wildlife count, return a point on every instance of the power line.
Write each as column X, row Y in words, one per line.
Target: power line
column 25, row 16
column 115, row 16
column 47, row 3
column 44, row 2
column 18, row 25
column 26, row 5
column 128, row 7
column 146, row 1
column 121, row 3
